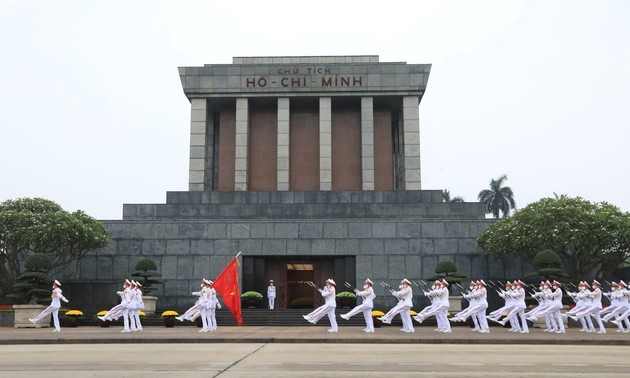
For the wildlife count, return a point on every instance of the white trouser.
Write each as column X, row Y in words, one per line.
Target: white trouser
column 331, row 317
column 49, row 310
column 481, row 317
column 115, row 313
column 271, row 302
column 442, row 319
column 367, row 315
column 405, row 315
column 319, row 313
column 191, row 312
column 369, row 322
column 136, row 316
column 395, row 311
column 211, row 318
column 125, row 315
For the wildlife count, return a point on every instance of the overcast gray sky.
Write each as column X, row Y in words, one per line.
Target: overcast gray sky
column 92, row 114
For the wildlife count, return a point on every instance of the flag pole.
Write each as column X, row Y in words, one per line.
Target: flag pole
column 237, row 255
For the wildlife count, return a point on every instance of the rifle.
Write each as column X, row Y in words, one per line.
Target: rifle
column 311, row 284
column 347, row 284
column 392, row 291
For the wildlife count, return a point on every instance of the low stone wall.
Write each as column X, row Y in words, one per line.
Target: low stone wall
column 6, row 319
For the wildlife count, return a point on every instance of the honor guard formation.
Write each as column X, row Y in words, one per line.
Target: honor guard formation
column 587, row 298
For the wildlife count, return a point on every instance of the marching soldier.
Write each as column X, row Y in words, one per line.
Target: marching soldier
column 54, row 306
column 405, row 295
column 594, row 307
column 624, row 317
column 328, row 308
column 366, row 307
column 195, row 310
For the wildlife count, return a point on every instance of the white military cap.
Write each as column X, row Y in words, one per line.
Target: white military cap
column 369, row 281
column 404, row 280
column 57, row 283
column 331, row 281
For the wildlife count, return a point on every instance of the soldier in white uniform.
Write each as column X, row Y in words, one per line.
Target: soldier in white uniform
column 328, row 308
column 138, row 305
column 519, row 307
column 117, row 311
column 212, row 304
column 196, row 308
column 441, row 315
column 473, row 306
column 625, row 298
column 366, row 307
column 436, row 302
column 618, row 305
column 271, row 294
column 580, row 299
column 594, row 307
column 542, row 309
column 405, row 296
column 53, row 309
column 508, row 296
column 482, row 297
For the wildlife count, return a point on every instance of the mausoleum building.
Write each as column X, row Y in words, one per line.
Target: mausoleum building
column 310, row 166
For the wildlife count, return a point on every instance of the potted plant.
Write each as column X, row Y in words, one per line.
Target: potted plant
column 251, row 299
column 32, row 287
column 376, row 314
column 169, row 318
column 346, row 299
column 73, row 317
column 147, row 271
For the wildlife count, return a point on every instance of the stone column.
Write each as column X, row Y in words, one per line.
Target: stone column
column 411, row 129
column 325, row 143
column 198, row 136
column 283, row 144
column 367, row 143
column 240, row 151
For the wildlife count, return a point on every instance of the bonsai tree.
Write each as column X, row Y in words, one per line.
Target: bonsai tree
column 446, row 270
column 33, row 285
column 146, row 269
column 548, row 265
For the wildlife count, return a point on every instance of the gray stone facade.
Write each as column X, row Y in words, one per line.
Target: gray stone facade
column 392, row 234
column 381, row 234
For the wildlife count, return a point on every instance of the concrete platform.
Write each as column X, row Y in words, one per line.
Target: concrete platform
column 305, row 334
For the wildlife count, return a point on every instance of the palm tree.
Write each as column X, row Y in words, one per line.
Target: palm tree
column 498, row 198
column 446, row 196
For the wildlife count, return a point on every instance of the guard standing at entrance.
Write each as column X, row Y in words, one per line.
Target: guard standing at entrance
column 271, row 294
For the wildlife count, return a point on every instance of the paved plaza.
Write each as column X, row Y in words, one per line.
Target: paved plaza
column 305, row 334
column 313, row 360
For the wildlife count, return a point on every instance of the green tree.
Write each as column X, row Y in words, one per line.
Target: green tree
column 548, row 265
column 446, row 269
column 589, row 237
column 146, row 269
column 498, row 198
column 33, row 285
column 36, row 225
column 446, row 196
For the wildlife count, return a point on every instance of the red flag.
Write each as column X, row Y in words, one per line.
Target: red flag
column 227, row 286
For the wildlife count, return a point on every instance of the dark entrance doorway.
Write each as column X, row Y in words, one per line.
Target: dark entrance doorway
column 291, row 275
column 299, row 293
